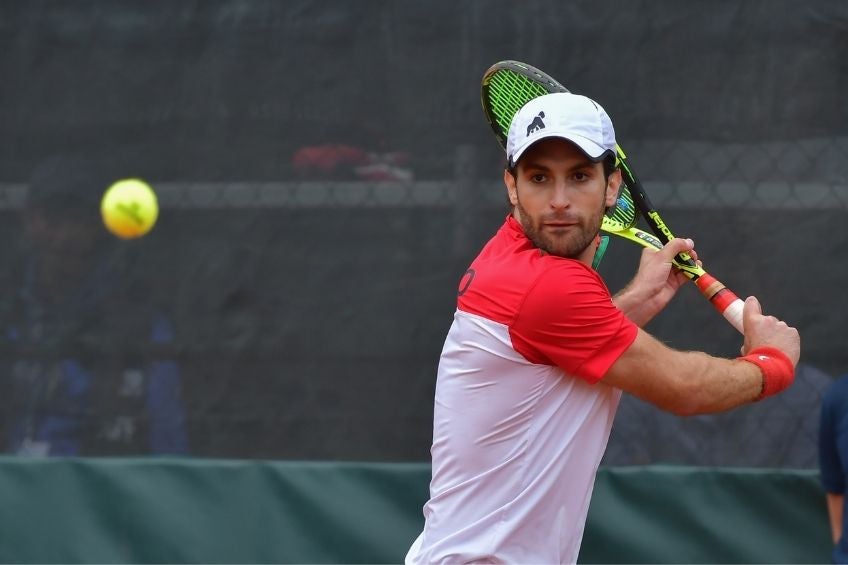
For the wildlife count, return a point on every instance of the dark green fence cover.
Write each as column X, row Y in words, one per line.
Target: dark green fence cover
column 223, row 511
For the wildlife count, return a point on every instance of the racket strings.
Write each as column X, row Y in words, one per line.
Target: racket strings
column 507, row 92
column 624, row 210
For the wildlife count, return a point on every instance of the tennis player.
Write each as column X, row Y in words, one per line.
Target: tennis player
column 538, row 353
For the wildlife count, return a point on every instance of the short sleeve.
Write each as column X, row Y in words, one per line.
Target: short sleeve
column 568, row 320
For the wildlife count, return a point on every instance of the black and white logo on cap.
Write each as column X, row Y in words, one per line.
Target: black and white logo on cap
column 537, row 124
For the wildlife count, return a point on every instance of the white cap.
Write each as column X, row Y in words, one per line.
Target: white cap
column 576, row 118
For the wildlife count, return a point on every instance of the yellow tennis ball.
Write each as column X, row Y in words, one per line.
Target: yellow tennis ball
column 129, row 208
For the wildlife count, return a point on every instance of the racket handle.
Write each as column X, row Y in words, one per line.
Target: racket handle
column 723, row 299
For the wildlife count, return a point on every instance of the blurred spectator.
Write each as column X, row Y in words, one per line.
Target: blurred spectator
column 77, row 372
column 833, row 461
column 346, row 162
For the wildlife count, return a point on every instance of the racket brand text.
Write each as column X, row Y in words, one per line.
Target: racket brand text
column 660, row 225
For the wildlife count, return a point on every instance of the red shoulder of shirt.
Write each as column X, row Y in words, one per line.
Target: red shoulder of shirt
column 558, row 311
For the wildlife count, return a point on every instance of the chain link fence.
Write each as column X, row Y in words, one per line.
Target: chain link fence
column 325, row 174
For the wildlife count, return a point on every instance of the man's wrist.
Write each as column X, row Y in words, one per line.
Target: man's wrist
column 777, row 369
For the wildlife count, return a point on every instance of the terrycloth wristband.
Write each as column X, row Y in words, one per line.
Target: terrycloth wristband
column 778, row 371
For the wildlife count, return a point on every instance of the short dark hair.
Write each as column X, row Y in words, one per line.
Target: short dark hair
column 610, row 165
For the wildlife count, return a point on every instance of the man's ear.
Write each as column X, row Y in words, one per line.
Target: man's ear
column 613, row 184
column 511, row 189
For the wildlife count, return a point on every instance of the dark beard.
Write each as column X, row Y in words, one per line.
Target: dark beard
column 570, row 248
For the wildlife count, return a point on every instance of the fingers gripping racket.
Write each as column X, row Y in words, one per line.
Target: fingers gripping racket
column 507, row 86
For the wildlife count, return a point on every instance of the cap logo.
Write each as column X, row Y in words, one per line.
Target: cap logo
column 536, row 125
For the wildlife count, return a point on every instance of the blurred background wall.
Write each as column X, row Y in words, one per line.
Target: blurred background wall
column 325, row 173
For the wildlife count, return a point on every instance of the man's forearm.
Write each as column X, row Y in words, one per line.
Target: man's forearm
column 636, row 305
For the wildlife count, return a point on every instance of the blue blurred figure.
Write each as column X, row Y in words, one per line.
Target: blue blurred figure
column 80, row 373
column 833, row 461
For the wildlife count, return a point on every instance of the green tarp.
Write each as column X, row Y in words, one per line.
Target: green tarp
column 216, row 511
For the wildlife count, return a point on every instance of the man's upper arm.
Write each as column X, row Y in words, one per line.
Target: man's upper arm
column 568, row 320
column 646, row 370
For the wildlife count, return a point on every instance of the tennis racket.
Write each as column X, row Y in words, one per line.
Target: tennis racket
column 507, row 86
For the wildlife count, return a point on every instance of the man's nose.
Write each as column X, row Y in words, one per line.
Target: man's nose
column 559, row 198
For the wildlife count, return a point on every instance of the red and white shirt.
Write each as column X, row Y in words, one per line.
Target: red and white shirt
column 520, row 421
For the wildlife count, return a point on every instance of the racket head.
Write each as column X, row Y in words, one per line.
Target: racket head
column 506, row 87
column 623, row 214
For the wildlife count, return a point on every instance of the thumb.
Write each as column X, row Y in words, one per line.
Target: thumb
column 676, row 246
column 752, row 308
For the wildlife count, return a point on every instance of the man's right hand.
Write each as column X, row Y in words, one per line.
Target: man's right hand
column 768, row 331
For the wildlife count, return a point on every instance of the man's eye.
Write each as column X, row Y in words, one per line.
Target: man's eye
column 580, row 176
column 538, row 178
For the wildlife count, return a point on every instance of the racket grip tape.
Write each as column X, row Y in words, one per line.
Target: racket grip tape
column 723, row 299
column 777, row 369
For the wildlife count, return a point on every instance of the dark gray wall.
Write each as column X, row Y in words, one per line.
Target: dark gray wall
column 309, row 306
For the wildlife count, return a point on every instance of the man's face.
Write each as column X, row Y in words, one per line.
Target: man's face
column 559, row 196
